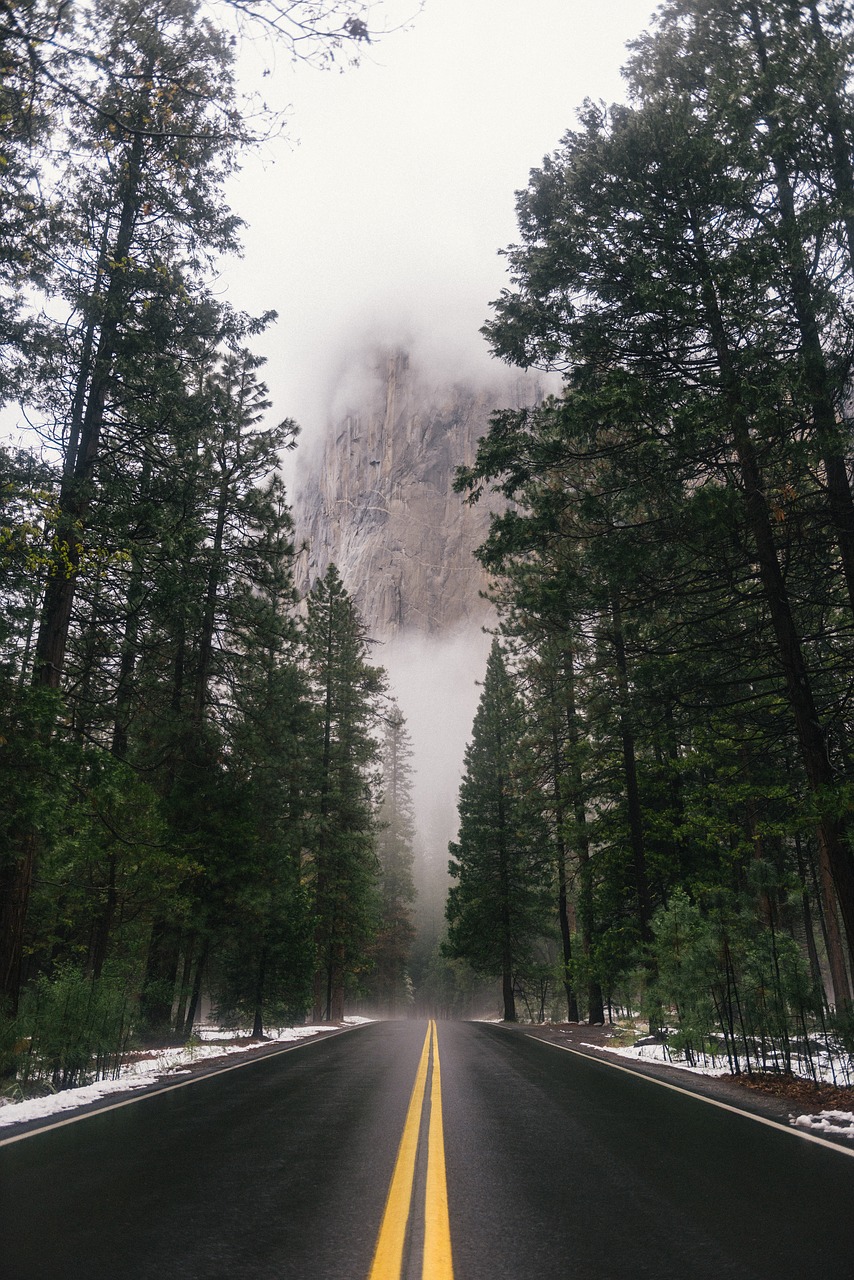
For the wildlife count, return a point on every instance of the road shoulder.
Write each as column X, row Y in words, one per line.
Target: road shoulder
column 774, row 1098
column 13, row 1130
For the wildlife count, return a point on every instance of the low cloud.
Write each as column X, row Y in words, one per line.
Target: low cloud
column 434, row 681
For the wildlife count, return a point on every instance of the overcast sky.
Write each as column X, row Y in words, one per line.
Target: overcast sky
column 382, row 220
column 384, row 213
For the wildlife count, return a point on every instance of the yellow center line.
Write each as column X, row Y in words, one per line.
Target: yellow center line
column 437, row 1228
column 388, row 1254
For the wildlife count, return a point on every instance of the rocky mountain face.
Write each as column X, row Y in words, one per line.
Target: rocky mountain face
column 378, row 500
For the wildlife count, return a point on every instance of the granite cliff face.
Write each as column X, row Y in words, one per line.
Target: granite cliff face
column 378, row 500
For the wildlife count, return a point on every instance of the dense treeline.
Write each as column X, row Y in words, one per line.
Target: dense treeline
column 190, row 759
column 675, row 570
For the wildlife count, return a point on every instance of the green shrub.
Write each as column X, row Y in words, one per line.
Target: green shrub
column 76, row 1030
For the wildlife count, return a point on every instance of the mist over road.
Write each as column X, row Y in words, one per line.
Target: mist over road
column 553, row 1166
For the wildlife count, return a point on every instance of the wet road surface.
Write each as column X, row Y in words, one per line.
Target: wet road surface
column 554, row 1166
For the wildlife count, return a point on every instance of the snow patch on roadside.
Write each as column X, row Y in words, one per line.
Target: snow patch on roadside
column 167, row 1060
column 144, row 1068
column 71, row 1099
column 660, row 1055
column 836, row 1124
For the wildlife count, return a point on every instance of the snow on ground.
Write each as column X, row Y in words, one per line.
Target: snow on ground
column 71, row 1099
column 144, row 1068
column 835, row 1124
column 659, row 1053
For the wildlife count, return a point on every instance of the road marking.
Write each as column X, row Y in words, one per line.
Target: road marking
column 388, row 1255
column 166, row 1088
column 791, row 1130
column 438, row 1264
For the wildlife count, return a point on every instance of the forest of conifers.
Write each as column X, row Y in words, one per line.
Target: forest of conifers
column 205, row 790
column 663, row 753
column 204, row 786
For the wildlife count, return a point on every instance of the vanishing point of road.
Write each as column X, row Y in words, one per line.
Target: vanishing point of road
column 411, row 1151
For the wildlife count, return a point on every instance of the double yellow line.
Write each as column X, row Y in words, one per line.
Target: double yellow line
column 388, row 1254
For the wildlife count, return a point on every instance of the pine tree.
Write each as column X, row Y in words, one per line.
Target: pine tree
column 143, row 215
column 259, row 921
column 155, row 157
column 339, row 838
column 496, row 908
column 647, row 264
column 27, row 114
column 396, row 853
column 233, row 548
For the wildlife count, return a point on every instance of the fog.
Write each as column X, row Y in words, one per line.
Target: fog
column 434, row 682
column 379, row 224
column 380, row 217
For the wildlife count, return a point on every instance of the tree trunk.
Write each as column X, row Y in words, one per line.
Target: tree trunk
column 560, row 849
column 814, row 755
column 188, row 947
column 565, row 936
column 507, row 991
column 809, row 931
column 636, row 835
column 320, row 999
column 816, row 373
column 835, row 945
column 595, row 1001
column 104, row 922
column 336, row 988
column 196, row 994
column 161, row 975
column 15, row 885
column 328, row 1003
column 130, row 642
column 258, row 1020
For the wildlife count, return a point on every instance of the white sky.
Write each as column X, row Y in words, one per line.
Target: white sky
column 383, row 214
column 380, row 214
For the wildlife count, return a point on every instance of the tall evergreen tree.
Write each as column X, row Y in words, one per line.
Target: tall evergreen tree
column 681, row 516
column 259, row 925
column 144, row 215
column 396, row 854
column 155, row 743
column 499, row 862
column 339, row 840
column 642, row 267
column 155, row 157
column 233, row 548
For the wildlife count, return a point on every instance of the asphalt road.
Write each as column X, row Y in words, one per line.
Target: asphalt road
column 557, row 1166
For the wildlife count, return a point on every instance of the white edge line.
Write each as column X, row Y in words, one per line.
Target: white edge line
column 166, row 1088
column 792, row 1130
